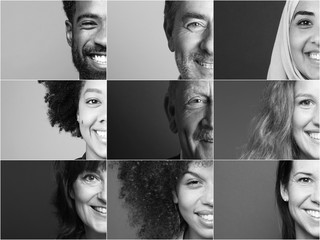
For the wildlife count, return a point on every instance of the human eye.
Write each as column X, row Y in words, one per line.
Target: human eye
column 304, row 23
column 90, row 178
column 195, row 26
column 193, row 183
column 93, row 102
column 304, row 180
column 196, row 102
column 88, row 24
column 306, row 103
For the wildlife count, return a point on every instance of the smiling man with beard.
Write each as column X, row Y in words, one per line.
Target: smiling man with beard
column 189, row 29
column 189, row 108
column 86, row 33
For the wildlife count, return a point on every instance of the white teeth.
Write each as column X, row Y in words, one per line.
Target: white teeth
column 315, row 56
column 100, row 59
column 102, row 134
column 207, row 217
column 315, row 214
column 206, row 65
column 101, row 209
column 315, row 136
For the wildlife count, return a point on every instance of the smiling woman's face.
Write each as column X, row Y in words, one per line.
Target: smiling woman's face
column 303, row 197
column 194, row 196
column 92, row 118
column 304, row 38
column 306, row 118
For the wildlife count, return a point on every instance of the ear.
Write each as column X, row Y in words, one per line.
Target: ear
column 175, row 197
column 170, row 112
column 71, row 194
column 69, row 32
column 78, row 118
column 169, row 32
column 284, row 193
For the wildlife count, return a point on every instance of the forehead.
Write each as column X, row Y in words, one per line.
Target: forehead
column 203, row 87
column 96, row 7
column 202, row 168
column 307, row 87
column 308, row 5
column 306, row 166
column 96, row 85
column 204, row 8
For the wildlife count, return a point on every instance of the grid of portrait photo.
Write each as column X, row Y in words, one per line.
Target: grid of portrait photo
column 159, row 119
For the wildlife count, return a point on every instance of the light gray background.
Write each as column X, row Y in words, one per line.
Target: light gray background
column 137, row 45
column 244, row 201
column 33, row 41
column 25, row 129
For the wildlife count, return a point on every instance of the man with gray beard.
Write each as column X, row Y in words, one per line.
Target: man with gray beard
column 189, row 108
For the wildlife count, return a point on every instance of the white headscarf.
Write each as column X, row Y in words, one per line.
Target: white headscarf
column 282, row 66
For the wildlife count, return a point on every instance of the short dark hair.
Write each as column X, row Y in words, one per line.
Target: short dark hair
column 283, row 177
column 170, row 10
column 147, row 188
column 70, row 9
column 62, row 98
column 66, row 173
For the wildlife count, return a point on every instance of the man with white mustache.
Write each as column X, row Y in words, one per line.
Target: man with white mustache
column 86, row 34
column 189, row 30
column 189, row 108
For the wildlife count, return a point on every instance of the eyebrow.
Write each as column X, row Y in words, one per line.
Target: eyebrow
column 303, row 95
column 193, row 15
column 87, row 15
column 303, row 13
column 194, row 174
column 96, row 90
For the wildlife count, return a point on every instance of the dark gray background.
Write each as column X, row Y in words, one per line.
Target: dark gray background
column 244, row 34
column 26, row 192
column 235, row 105
column 244, row 201
column 137, row 124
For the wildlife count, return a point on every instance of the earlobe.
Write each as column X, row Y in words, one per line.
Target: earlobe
column 175, row 197
column 284, row 193
column 69, row 32
column 170, row 112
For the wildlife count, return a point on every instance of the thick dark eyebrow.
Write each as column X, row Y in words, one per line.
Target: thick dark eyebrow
column 189, row 15
column 87, row 15
column 92, row 90
column 303, row 13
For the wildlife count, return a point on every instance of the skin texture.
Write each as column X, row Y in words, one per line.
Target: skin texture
column 190, row 114
column 306, row 118
column 87, row 37
column 304, row 38
column 90, row 190
column 92, row 117
column 192, row 39
column 194, row 196
column 302, row 194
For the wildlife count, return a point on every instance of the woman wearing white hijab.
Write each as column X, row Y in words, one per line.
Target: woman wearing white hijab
column 295, row 54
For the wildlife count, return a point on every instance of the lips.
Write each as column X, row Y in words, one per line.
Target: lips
column 102, row 210
column 98, row 58
column 314, row 55
column 314, row 135
column 313, row 213
column 208, row 65
column 206, row 218
column 102, row 135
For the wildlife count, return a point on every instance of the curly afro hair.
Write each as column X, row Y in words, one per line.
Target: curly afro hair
column 62, row 98
column 147, row 188
column 70, row 9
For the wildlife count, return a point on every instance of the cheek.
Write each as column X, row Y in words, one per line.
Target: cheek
column 187, row 200
column 86, row 117
column 300, row 119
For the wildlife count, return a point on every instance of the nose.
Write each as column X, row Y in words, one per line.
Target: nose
column 208, row 118
column 101, row 36
column 315, row 196
column 315, row 118
column 315, row 38
column 206, row 44
column 207, row 197
column 102, row 195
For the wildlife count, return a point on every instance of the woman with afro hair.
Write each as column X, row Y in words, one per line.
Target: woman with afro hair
column 79, row 107
column 169, row 199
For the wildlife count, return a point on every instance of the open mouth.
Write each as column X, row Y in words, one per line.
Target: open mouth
column 102, row 135
column 313, row 213
column 315, row 136
column 99, row 59
column 315, row 56
column 102, row 210
column 207, row 217
column 205, row 64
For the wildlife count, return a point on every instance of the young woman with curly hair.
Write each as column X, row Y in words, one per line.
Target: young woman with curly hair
column 298, row 199
column 80, row 199
column 79, row 107
column 169, row 199
column 287, row 126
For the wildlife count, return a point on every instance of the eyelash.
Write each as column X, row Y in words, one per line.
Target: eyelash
column 304, row 23
column 194, row 26
column 92, row 101
column 306, row 102
column 302, row 180
column 86, row 177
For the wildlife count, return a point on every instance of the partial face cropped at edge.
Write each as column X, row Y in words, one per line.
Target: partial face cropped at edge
column 87, row 36
column 192, row 39
column 303, row 196
column 90, row 196
column 305, row 39
column 306, row 130
column 194, row 196
column 92, row 118
column 193, row 118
